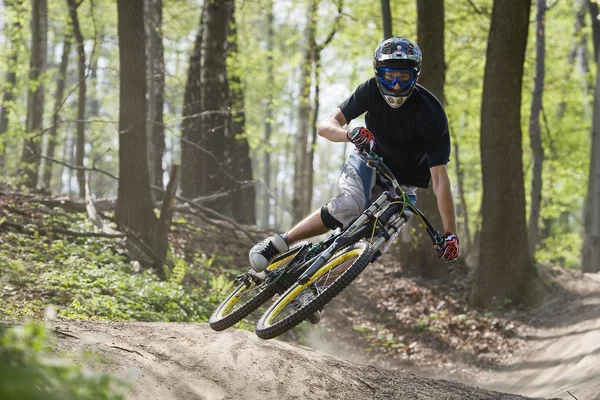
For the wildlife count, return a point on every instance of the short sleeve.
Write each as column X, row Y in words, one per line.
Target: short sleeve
column 357, row 104
column 437, row 142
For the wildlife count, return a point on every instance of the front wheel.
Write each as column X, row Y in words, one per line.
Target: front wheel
column 302, row 300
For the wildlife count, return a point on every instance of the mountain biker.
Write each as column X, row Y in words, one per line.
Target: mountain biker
column 406, row 125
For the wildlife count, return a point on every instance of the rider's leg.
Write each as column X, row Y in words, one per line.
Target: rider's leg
column 310, row 226
column 355, row 185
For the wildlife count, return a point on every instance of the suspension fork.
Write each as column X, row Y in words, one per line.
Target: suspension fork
column 387, row 232
column 345, row 238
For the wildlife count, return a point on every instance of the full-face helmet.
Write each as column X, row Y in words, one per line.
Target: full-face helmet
column 397, row 65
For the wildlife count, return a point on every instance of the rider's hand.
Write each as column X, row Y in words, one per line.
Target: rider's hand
column 448, row 250
column 362, row 138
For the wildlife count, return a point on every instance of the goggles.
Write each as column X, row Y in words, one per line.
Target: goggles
column 389, row 77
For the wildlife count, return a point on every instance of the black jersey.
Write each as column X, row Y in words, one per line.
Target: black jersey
column 411, row 138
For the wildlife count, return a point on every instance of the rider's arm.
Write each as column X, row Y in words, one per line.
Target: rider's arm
column 437, row 142
column 331, row 128
column 441, row 187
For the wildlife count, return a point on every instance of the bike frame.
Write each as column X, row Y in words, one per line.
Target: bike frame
column 378, row 215
column 374, row 222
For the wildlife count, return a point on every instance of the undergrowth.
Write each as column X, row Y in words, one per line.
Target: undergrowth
column 27, row 372
column 91, row 278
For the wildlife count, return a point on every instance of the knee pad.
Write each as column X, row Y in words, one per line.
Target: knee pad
column 344, row 208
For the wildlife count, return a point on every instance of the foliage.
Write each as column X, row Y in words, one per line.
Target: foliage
column 90, row 278
column 561, row 249
column 346, row 62
column 27, row 373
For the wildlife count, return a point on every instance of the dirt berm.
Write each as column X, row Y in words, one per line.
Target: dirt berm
column 190, row 361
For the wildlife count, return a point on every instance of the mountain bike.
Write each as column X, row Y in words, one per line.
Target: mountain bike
column 308, row 276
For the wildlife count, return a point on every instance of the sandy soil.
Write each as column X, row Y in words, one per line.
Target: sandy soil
column 190, row 361
column 558, row 353
column 564, row 357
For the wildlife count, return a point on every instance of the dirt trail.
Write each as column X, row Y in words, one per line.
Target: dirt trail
column 564, row 359
column 189, row 361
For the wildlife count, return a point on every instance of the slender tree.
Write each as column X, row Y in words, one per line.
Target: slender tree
column 462, row 210
column 578, row 49
column 317, row 49
column 156, row 89
column 266, row 192
column 299, row 202
column 81, row 98
column 535, row 138
column 430, row 38
column 58, row 101
column 386, row 16
column 505, row 270
column 14, row 33
column 191, row 125
column 593, row 7
column 244, row 196
column 30, row 160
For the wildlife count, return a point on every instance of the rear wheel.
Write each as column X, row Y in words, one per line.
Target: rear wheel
column 250, row 294
column 302, row 300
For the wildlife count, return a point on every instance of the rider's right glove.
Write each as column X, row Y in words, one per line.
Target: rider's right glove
column 362, row 138
column 448, row 250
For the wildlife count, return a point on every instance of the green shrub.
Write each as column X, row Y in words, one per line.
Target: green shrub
column 563, row 250
column 89, row 278
column 27, row 373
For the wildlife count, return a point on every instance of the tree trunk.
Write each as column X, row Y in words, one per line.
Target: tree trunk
column 134, row 202
column 218, row 143
column 505, row 270
column 30, row 160
column 430, row 37
column 14, row 34
column 156, row 88
column 386, row 16
column 69, row 155
column 191, row 124
column 266, row 196
column 299, row 202
column 465, row 235
column 590, row 251
column 58, row 98
column 314, row 122
column 535, row 138
column 81, row 100
column 593, row 7
column 244, row 194
column 581, row 7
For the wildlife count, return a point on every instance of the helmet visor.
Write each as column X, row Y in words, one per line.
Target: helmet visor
column 396, row 79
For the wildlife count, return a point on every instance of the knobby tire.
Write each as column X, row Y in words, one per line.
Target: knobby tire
column 263, row 295
column 219, row 324
column 268, row 332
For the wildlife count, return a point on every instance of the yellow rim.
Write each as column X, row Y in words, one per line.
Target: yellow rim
column 282, row 303
column 235, row 297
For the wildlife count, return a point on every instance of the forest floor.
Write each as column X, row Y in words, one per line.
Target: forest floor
column 187, row 361
column 551, row 350
column 387, row 326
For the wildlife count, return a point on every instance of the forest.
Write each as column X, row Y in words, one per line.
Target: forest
column 146, row 145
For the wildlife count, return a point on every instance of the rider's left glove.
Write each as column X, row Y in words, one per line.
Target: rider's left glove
column 448, row 250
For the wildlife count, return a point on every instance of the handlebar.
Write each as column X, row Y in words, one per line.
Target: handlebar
column 376, row 161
